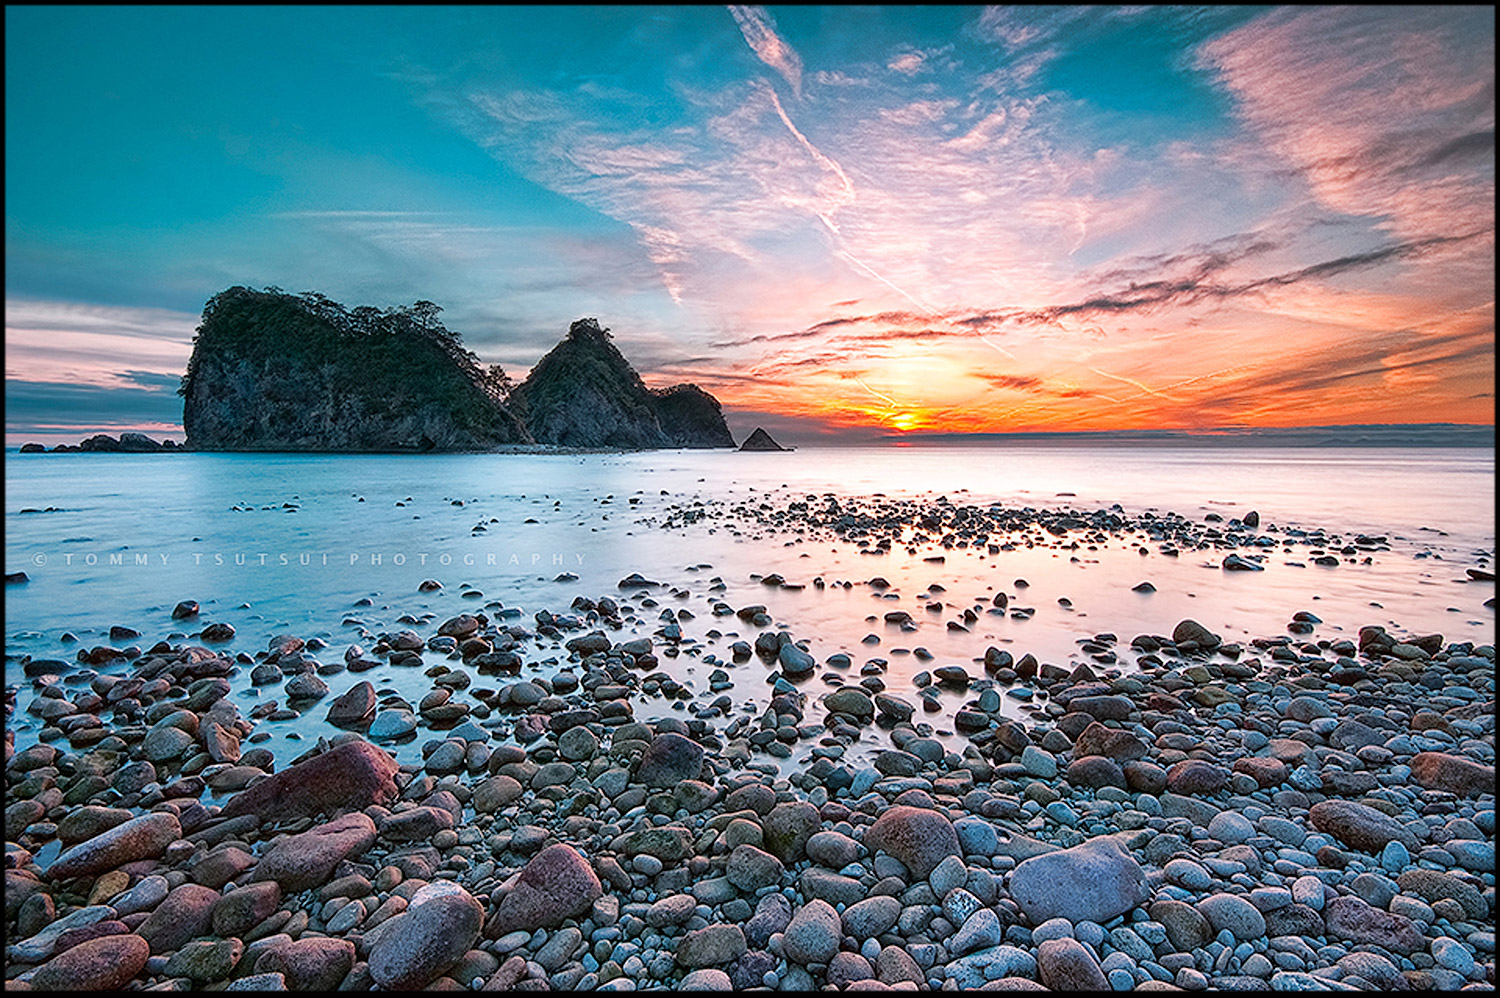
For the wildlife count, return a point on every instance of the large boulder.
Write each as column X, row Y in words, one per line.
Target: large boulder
column 146, row 837
column 1455, row 774
column 1092, row 882
column 919, row 837
column 1360, row 826
column 557, row 884
column 298, row 862
column 350, row 777
column 432, row 935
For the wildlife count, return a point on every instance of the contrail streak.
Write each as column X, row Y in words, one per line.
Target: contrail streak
column 813, row 150
column 1130, row 381
column 878, row 395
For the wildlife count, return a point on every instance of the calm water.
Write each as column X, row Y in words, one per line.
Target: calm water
column 288, row 543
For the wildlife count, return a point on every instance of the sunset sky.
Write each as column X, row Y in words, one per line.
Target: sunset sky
column 841, row 221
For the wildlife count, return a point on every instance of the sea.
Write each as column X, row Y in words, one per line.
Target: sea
column 337, row 547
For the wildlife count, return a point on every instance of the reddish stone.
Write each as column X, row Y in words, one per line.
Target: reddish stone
column 104, row 964
column 1455, row 774
column 1265, row 771
column 1194, row 776
column 557, row 884
column 1350, row 918
column 183, row 914
column 317, row 963
column 302, row 861
column 920, row 838
column 350, row 777
column 1112, row 743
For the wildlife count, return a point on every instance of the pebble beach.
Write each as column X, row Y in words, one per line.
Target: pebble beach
column 1305, row 810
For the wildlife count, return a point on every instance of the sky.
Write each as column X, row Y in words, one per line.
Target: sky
column 844, row 222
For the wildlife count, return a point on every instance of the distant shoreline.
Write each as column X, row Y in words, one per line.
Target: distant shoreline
column 1418, row 435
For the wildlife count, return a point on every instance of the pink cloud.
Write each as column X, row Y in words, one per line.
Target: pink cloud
column 1360, row 99
column 94, row 344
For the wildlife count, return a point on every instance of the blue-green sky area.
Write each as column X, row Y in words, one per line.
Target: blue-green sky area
column 843, row 221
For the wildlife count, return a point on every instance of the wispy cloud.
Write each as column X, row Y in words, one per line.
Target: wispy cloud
column 1372, row 107
column 98, row 345
column 759, row 29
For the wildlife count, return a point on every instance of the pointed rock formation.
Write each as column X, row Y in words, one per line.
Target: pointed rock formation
column 584, row 393
column 761, row 440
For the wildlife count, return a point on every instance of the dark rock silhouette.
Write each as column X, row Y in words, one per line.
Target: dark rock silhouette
column 584, row 393
column 761, row 440
column 277, row 372
column 691, row 417
column 272, row 371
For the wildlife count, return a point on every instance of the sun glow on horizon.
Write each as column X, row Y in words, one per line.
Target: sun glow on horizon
column 899, row 219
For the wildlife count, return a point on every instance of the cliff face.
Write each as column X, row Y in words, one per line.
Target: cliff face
column 585, row 394
column 272, row 371
column 277, row 372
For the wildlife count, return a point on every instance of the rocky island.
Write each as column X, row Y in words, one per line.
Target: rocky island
column 584, row 393
column 272, row 371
